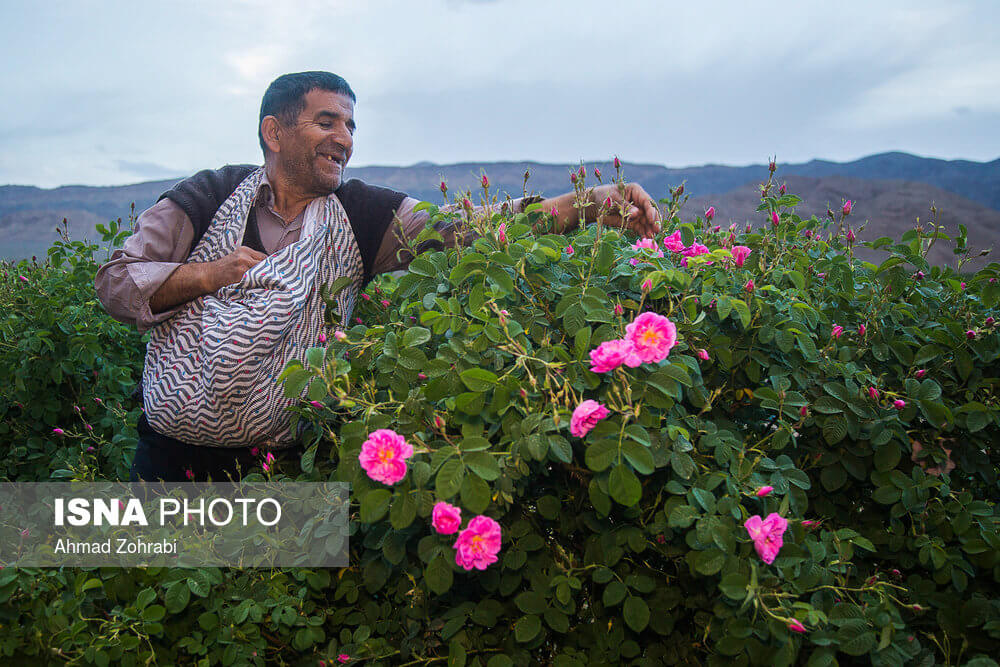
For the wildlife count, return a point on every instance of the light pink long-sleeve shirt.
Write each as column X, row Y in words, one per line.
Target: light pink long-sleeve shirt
column 163, row 239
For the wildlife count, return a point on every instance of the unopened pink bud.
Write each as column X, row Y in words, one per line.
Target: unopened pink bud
column 444, row 188
column 709, row 213
column 572, row 178
column 466, row 203
column 703, row 354
column 618, row 164
column 58, row 431
column 618, row 309
column 421, row 376
column 438, row 422
column 970, row 334
column 862, row 330
column 899, row 404
column 357, row 320
column 90, row 449
column 597, row 173
column 554, row 212
column 795, row 626
column 366, row 297
column 872, row 392
column 582, row 172
column 607, row 202
column 919, row 275
column 850, row 236
column 23, row 279
column 569, row 250
column 781, row 189
column 847, row 208
column 922, row 372
column 254, row 451
column 316, row 404
column 774, row 219
column 322, row 337
column 485, row 181
column 88, row 427
column 385, row 302
column 339, row 336
column 647, row 285
column 803, row 411
column 749, row 287
column 749, row 228
column 962, row 285
column 764, row 490
column 189, row 474
column 990, row 321
column 808, row 524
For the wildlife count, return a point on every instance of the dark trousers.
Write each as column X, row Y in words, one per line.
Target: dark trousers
column 159, row 457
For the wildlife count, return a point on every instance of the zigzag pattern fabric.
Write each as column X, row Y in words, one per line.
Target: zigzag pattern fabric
column 211, row 370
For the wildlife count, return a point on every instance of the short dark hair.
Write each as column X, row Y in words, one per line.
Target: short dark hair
column 285, row 98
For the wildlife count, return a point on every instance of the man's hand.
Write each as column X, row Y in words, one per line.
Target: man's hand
column 641, row 214
column 196, row 279
column 231, row 268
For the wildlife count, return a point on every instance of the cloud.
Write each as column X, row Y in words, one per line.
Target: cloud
column 149, row 170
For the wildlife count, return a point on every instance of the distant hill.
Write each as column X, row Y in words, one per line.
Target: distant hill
column 891, row 189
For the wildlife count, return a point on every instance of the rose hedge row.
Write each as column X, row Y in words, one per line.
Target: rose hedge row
column 626, row 545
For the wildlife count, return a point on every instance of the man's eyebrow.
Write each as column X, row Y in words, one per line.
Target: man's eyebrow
column 330, row 114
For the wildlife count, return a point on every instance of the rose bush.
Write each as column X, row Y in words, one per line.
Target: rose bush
column 648, row 538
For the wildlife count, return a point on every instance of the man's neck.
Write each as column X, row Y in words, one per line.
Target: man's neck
column 289, row 201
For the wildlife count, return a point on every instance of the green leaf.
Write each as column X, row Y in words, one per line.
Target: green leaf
column 734, row 586
column 710, row 562
column 416, row 336
column 483, row 464
column 640, row 457
column 177, row 597
column 501, row 278
column 375, row 504
column 315, row 355
column 478, row 379
column 614, row 593
column 624, row 486
column 449, row 478
column 438, row 574
column 743, row 310
column 636, row 613
column 404, row 509
column 475, row 494
column 527, row 628
column 601, row 454
column 531, row 602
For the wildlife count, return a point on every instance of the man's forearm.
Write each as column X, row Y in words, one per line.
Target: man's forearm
column 185, row 284
column 567, row 215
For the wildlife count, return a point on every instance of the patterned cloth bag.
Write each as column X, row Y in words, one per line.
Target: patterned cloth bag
column 211, row 370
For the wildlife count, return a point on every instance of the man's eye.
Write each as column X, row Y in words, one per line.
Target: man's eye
column 326, row 125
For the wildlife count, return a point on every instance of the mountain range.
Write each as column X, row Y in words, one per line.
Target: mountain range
column 889, row 190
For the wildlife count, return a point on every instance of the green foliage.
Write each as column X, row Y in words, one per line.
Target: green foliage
column 625, row 546
column 65, row 365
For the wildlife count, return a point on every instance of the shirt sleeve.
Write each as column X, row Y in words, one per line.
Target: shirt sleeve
column 161, row 243
column 394, row 253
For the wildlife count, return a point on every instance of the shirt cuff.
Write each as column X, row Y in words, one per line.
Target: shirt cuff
column 149, row 277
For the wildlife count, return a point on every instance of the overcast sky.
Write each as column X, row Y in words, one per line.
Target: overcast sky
column 109, row 93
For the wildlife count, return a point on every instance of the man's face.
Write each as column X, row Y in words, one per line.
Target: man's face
column 315, row 151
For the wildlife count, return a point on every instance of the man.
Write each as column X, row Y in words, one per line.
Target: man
column 306, row 132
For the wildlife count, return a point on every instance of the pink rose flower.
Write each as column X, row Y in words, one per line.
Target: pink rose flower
column 611, row 354
column 585, row 417
column 648, row 244
column 872, row 392
column 837, row 331
column 652, row 335
column 385, row 303
column 383, row 456
column 703, row 354
column 673, row 243
column 766, row 535
column 478, row 545
column 569, row 250
column 339, row 336
column 740, row 254
column 970, row 334
column 343, row 657
column 764, row 490
column 446, row 519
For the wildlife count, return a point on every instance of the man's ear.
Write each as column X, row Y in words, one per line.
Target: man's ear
column 270, row 129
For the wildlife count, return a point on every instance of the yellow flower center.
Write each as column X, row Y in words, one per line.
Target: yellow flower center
column 475, row 543
column 385, row 455
column 650, row 337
